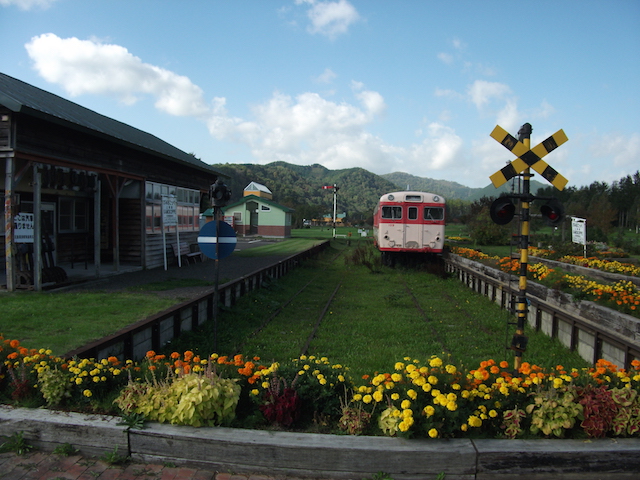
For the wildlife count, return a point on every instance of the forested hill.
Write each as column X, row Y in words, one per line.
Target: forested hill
column 450, row 190
column 297, row 186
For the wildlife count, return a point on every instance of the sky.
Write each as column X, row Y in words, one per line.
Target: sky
column 414, row 86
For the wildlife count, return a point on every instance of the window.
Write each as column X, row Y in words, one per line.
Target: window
column 433, row 213
column 72, row 215
column 188, row 208
column 413, row 198
column 413, row 213
column 391, row 213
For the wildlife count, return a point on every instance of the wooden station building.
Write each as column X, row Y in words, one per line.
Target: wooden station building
column 91, row 187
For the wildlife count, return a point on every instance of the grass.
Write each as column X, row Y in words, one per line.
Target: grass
column 288, row 247
column 372, row 321
column 65, row 321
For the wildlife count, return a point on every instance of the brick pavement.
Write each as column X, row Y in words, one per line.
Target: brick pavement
column 49, row 466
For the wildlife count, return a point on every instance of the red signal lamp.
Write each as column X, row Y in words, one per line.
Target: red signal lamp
column 502, row 210
column 552, row 212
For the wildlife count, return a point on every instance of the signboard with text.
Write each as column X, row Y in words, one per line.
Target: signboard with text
column 169, row 210
column 23, row 228
column 579, row 230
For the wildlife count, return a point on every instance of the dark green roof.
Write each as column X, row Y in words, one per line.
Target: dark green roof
column 261, row 199
column 20, row 97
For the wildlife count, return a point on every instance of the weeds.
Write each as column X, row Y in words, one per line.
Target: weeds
column 133, row 420
column 114, row 458
column 16, row 443
column 66, row 449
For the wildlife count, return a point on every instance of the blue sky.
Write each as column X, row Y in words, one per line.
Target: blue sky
column 403, row 85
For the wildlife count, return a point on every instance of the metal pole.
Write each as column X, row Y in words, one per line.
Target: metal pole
column 519, row 341
column 216, row 214
column 335, row 195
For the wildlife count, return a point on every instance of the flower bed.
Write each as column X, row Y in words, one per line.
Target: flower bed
column 621, row 295
column 430, row 399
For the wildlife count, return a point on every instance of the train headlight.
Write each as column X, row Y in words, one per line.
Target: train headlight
column 390, row 198
column 436, row 198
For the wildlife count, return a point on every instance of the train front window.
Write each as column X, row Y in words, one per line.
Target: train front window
column 433, row 213
column 413, row 213
column 391, row 213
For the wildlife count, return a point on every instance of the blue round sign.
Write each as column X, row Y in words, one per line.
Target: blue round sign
column 226, row 240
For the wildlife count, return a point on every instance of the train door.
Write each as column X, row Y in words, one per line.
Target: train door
column 412, row 229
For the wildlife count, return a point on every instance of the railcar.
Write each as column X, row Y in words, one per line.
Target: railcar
column 408, row 224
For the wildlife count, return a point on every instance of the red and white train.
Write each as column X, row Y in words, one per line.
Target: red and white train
column 407, row 223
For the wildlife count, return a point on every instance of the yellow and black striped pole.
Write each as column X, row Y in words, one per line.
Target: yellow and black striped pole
column 519, row 341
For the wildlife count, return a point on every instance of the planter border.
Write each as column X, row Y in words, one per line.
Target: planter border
column 309, row 455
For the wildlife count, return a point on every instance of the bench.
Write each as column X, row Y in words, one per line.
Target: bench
column 186, row 252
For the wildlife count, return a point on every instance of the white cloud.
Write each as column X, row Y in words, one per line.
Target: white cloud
column 445, row 58
column 617, row 149
column 28, row 4
column 328, row 76
column 330, row 18
column 90, row 67
column 482, row 92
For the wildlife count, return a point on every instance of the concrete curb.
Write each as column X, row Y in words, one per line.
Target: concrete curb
column 327, row 456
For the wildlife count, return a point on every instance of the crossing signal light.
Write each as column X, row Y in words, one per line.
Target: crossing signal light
column 502, row 210
column 219, row 193
column 552, row 212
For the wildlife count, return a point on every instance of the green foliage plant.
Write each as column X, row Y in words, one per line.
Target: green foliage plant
column 194, row 398
column 512, row 422
column 54, row 386
column 16, row 443
column 554, row 411
column 65, row 450
column 627, row 419
column 114, row 458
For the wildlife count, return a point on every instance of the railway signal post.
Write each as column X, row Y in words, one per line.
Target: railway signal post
column 335, row 189
column 503, row 209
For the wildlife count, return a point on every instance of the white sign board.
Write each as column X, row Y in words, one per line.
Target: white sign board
column 169, row 210
column 23, row 230
column 579, row 230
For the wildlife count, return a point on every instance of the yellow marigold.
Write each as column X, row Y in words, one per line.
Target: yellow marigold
column 426, row 387
column 357, row 397
column 377, row 396
column 367, row 398
column 474, row 421
column 396, row 377
column 435, row 362
column 412, row 394
column 452, row 406
column 433, row 380
column 399, row 366
column 395, row 396
column 433, row 433
column 87, row 393
column 405, row 404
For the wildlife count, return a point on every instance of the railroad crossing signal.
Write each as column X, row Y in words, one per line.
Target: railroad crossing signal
column 503, row 209
column 528, row 158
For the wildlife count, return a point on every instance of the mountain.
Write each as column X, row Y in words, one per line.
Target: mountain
column 359, row 190
column 450, row 190
column 294, row 185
